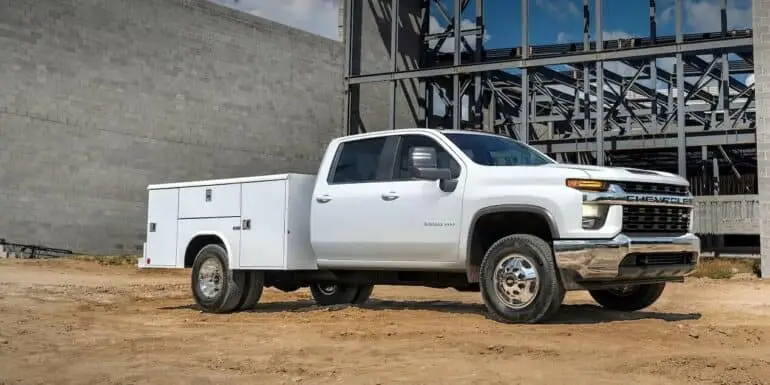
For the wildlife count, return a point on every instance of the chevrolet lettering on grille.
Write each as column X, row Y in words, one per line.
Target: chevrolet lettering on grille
column 660, row 199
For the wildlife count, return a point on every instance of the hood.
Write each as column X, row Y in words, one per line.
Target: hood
column 623, row 174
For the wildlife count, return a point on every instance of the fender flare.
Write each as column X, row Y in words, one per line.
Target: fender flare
column 225, row 243
column 549, row 218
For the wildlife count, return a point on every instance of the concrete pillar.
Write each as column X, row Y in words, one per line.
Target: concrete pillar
column 761, row 22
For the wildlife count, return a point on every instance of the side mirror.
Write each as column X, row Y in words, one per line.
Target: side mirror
column 425, row 165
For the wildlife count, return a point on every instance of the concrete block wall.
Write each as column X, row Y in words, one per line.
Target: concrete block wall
column 761, row 25
column 98, row 99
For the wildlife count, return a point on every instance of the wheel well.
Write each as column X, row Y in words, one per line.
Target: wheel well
column 197, row 244
column 490, row 227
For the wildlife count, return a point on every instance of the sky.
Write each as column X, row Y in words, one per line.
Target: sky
column 551, row 21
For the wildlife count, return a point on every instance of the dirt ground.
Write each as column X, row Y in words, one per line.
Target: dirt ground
column 76, row 322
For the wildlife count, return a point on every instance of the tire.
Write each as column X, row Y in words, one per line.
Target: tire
column 524, row 254
column 334, row 294
column 223, row 293
column 638, row 298
column 364, row 292
column 254, row 285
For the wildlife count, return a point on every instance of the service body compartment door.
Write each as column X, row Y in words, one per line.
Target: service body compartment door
column 162, row 209
column 216, row 201
column 263, row 235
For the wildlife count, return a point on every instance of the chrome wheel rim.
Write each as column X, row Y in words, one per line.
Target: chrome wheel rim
column 210, row 278
column 328, row 289
column 516, row 281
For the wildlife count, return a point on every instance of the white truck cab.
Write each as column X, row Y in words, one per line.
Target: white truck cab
column 468, row 210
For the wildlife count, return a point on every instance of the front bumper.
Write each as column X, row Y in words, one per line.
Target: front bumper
column 626, row 258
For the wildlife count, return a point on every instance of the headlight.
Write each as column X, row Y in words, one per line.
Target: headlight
column 593, row 216
column 587, row 184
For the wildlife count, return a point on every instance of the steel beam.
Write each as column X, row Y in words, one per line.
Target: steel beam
column 645, row 142
column 700, row 47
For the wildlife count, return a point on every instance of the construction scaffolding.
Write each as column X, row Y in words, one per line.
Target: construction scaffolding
column 547, row 95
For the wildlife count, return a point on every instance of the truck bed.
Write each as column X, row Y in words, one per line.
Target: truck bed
column 263, row 221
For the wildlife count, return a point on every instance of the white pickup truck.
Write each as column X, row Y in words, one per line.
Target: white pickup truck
column 447, row 209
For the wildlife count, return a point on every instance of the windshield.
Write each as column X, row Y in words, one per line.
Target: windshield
column 492, row 150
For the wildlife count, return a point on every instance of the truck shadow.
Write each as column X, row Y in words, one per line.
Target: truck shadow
column 568, row 314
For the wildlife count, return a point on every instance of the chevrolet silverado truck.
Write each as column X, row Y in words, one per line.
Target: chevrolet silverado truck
column 466, row 210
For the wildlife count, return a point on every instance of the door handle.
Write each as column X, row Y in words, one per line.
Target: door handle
column 389, row 196
column 323, row 198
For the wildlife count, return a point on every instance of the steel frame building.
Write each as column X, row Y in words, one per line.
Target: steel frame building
column 653, row 117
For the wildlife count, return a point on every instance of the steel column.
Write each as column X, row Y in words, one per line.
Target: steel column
column 586, row 71
column 524, row 113
column 393, row 62
column 680, row 97
column 457, row 101
column 477, row 104
column 347, row 65
column 599, row 87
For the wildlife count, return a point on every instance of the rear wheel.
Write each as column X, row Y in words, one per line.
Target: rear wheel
column 629, row 298
column 254, row 285
column 519, row 282
column 216, row 288
column 338, row 293
column 364, row 292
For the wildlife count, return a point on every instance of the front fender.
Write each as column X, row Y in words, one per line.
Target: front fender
column 561, row 206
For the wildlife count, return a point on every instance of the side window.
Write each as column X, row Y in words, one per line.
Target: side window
column 358, row 161
column 403, row 169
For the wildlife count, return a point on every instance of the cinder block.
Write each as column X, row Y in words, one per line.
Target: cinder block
column 100, row 99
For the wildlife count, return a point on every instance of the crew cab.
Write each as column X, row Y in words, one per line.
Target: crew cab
column 467, row 210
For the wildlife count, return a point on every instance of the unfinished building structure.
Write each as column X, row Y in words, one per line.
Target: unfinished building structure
column 671, row 103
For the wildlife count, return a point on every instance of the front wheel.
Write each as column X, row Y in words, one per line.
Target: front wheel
column 629, row 298
column 519, row 282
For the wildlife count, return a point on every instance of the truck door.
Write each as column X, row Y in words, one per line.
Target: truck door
column 345, row 211
column 423, row 221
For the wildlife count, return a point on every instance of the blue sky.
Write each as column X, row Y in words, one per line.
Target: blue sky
column 554, row 21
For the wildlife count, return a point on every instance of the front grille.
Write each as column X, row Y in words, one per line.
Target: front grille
column 652, row 188
column 656, row 219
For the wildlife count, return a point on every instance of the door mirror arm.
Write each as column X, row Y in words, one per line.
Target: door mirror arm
column 447, row 185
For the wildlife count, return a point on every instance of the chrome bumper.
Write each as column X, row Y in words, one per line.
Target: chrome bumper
column 617, row 259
